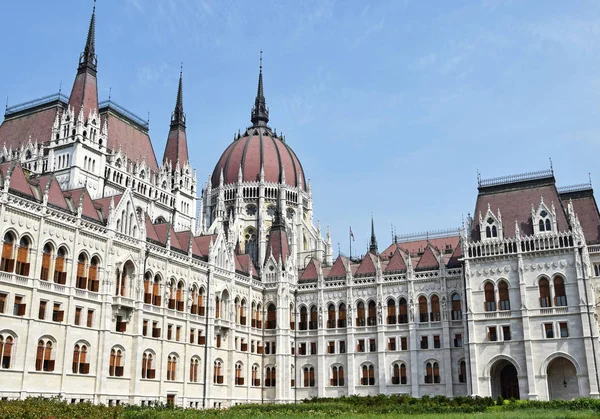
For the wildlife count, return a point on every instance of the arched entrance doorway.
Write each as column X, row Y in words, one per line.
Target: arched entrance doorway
column 562, row 379
column 505, row 381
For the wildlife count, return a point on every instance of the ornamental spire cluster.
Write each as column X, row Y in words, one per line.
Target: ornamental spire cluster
column 260, row 112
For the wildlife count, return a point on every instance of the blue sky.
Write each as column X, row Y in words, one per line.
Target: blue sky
column 392, row 106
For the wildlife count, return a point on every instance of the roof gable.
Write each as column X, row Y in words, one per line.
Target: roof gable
column 311, row 271
column 396, row 263
column 428, row 260
column 338, row 268
column 367, row 265
column 18, row 181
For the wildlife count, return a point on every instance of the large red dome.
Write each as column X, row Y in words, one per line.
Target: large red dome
column 257, row 147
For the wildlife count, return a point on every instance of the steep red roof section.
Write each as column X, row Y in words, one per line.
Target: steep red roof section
column 414, row 247
column 150, row 231
column 176, row 148
column 396, row 263
column 104, row 203
column 311, row 271
column 454, row 261
column 36, row 124
column 19, row 182
column 133, row 140
column 584, row 205
column 367, row 265
column 428, row 260
column 514, row 201
column 84, row 93
column 243, row 263
column 55, row 194
column 204, row 242
column 278, row 244
column 338, row 268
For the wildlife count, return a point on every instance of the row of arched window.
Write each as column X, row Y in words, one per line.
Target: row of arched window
column 551, row 293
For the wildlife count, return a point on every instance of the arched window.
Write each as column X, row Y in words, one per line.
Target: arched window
column 337, row 376
column 81, row 281
column 303, row 318
column 23, row 257
column 148, row 372
column 462, row 375
column 368, row 375
column 560, row 297
column 243, row 312
column 292, row 317
column 271, row 317
column 432, row 373
column 403, row 311
column 80, row 364
column 435, row 308
column 218, row 372
column 6, row 348
column 313, row 318
column 46, row 262
column 341, row 315
column 309, row 377
column 372, row 318
column 172, row 290
column 60, row 274
column 255, row 375
column 156, row 300
column 456, row 307
column 360, row 314
column 8, row 261
column 44, row 358
column 201, row 301
column 115, row 365
column 239, row 374
column 423, row 311
column 544, row 287
column 147, row 288
column 270, row 377
column 217, row 308
column 399, row 373
column 391, row 311
column 194, row 363
column 331, row 316
column 93, row 282
column 250, row 242
column 171, row 367
column 292, row 376
column 503, row 295
column 490, row 300
column 180, row 302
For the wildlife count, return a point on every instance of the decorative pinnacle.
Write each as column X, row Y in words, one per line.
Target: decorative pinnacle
column 373, row 244
column 178, row 116
column 88, row 60
column 260, row 113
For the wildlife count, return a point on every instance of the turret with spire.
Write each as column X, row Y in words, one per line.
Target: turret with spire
column 84, row 95
column 176, row 147
column 260, row 112
column 373, row 244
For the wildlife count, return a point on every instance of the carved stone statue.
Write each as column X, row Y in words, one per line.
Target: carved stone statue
column 379, row 313
column 411, row 312
column 444, row 311
column 167, row 293
column 320, row 317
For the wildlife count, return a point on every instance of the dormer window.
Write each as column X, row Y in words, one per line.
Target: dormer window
column 491, row 230
column 544, row 223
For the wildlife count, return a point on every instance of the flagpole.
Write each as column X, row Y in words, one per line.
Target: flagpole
column 350, row 237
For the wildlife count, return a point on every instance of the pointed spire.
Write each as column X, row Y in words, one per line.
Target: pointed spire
column 178, row 116
column 260, row 113
column 87, row 60
column 373, row 244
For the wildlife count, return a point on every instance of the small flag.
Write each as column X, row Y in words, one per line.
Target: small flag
column 351, row 234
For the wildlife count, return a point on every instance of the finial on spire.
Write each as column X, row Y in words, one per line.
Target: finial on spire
column 88, row 60
column 260, row 113
column 373, row 244
column 178, row 116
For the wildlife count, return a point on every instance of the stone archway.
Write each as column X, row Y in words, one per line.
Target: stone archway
column 562, row 379
column 505, row 381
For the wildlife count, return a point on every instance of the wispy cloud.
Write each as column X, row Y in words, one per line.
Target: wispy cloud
column 371, row 30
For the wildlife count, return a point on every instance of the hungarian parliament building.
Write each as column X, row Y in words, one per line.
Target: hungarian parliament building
column 123, row 280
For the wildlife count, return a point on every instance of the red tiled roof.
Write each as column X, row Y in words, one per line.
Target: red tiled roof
column 367, row 265
column 165, row 230
column 311, row 271
column 204, row 242
column 134, row 141
column 243, row 264
column 176, row 147
column 514, row 202
column 454, row 261
column 37, row 124
column 586, row 209
column 396, row 263
column 84, row 93
column 338, row 268
column 19, row 182
column 55, row 193
column 104, row 203
column 428, row 260
column 418, row 246
column 278, row 244
column 150, row 231
column 259, row 147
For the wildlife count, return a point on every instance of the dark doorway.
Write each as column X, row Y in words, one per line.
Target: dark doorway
column 505, row 381
column 170, row 400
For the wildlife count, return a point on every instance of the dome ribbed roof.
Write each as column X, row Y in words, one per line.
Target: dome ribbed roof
column 257, row 147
